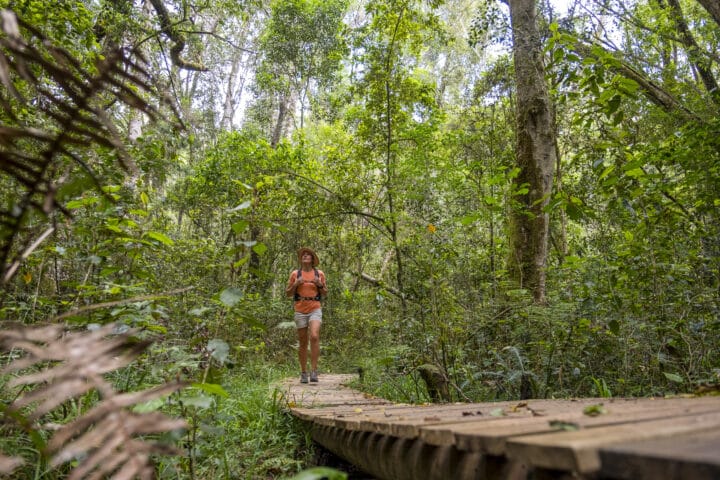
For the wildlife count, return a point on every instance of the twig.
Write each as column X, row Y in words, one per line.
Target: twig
column 98, row 306
column 16, row 264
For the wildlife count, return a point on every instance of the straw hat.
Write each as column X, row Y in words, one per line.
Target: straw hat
column 316, row 260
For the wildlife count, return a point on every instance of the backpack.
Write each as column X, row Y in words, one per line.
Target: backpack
column 297, row 296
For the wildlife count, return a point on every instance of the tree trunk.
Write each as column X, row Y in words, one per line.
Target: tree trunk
column 535, row 152
column 282, row 112
column 230, row 102
column 713, row 8
column 701, row 64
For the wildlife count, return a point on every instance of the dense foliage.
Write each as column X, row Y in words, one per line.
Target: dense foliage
column 381, row 133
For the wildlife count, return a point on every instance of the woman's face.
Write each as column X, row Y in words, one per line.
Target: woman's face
column 307, row 257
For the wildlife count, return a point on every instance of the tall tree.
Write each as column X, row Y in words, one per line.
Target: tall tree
column 302, row 45
column 535, row 151
column 713, row 8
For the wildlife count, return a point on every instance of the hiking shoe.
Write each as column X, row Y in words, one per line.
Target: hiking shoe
column 304, row 377
column 313, row 376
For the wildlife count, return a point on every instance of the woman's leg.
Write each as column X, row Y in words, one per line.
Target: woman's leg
column 314, row 343
column 302, row 351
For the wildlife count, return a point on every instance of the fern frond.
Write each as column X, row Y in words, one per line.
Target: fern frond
column 40, row 152
column 105, row 440
column 9, row 464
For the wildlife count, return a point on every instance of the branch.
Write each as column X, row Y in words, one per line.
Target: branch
column 98, row 306
column 173, row 34
column 380, row 284
column 351, row 209
column 16, row 264
column 221, row 38
column 654, row 92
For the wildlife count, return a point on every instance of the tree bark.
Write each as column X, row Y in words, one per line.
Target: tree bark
column 535, row 152
column 230, row 104
column 713, row 8
column 702, row 65
column 282, row 112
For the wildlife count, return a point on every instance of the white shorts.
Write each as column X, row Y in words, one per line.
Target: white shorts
column 302, row 319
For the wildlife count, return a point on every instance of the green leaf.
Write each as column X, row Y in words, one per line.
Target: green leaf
column 614, row 327
column 635, row 173
column 242, row 261
column 150, row 406
column 200, row 401
column 469, row 219
column 231, row 296
column 239, row 227
column 211, row 388
column 73, row 204
column 219, row 349
column 606, row 172
column 260, row 248
column 674, row 377
column 320, row 473
column 567, row 426
column 613, row 105
column 595, row 410
column 162, row 238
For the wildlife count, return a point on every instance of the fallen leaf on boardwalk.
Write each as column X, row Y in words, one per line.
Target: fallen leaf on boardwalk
column 498, row 412
column 518, row 406
column 358, row 410
column 537, row 413
column 471, row 414
column 567, row 426
column 594, row 410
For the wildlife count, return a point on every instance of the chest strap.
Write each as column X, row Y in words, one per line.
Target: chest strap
column 297, row 296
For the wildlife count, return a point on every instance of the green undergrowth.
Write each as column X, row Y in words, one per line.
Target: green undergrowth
column 248, row 434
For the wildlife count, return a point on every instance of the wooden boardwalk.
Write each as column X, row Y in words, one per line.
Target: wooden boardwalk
column 644, row 438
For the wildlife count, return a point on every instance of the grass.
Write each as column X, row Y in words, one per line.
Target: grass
column 248, row 434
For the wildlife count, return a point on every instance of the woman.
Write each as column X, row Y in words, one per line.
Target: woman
column 307, row 286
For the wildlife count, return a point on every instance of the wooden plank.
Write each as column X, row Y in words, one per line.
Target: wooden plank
column 377, row 418
column 354, row 419
column 326, row 415
column 329, row 391
column 372, row 417
column 695, row 456
column 535, row 416
column 492, row 438
column 579, row 450
column 484, row 413
column 405, row 424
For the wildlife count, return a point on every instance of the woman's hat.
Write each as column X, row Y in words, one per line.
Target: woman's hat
column 303, row 250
